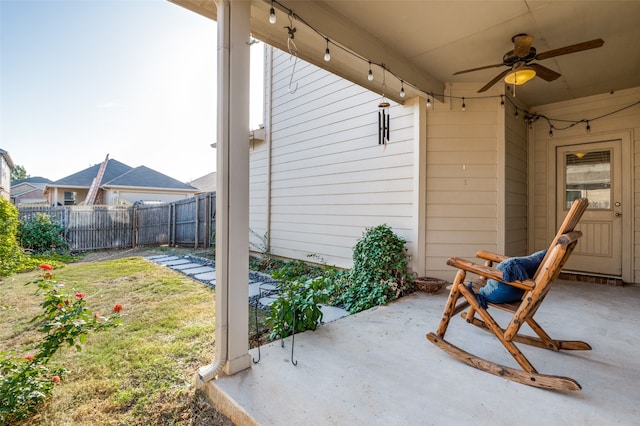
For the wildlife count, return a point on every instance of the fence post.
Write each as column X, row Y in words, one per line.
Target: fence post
column 197, row 209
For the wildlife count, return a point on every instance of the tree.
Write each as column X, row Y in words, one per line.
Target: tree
column 18, row 173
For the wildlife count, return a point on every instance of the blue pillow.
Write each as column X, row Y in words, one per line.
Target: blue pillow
column 513, row 269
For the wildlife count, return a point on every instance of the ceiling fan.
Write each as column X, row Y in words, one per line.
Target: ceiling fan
column 521, row 69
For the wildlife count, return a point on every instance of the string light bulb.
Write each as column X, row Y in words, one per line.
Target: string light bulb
column 272, row 14
column 428, row 101
column 516, row 113
column 550, row 132
column 464, row 106
column 502, row 101
column 327, row 54
column 402, row 93
column 588, row 127
column 370, row 75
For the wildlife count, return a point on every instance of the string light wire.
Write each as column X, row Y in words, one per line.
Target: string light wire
column 528, row 116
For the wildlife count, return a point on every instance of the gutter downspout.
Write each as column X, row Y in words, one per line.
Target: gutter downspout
column 232, row 201
column 211, row 371
column 268, row 135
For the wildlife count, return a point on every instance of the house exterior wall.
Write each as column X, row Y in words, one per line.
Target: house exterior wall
column 128, row 196
column 259, row 170
column 516, row 181
column 320, row 178
column 119, row 196
column 625, row 122
column 463, row 206
column 5, row 178
column 329, row 178
column 29, row 195
column 56, row 195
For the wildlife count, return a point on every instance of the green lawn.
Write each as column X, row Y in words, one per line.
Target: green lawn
column 138, row 373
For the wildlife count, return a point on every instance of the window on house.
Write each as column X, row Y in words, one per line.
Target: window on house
column 69, row 198
column 589, row 175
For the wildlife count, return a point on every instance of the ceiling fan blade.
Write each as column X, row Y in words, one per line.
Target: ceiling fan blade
column 495, row 80
column 544, row 72
column 522, row 45
column 592, row 44
column 479, row 68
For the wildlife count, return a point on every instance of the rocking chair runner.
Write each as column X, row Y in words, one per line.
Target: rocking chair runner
column 523, row 311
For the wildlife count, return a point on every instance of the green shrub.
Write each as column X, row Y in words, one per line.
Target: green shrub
column 11, row 255
column 379, row 274
column 42, row 235
column 26, row 381
column 297, row 306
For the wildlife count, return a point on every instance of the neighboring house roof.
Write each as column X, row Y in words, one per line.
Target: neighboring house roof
column 22, row 186
column 121, row 175
column 145, row 177
column 85, row 177
column 34, row 179
column 206, row 183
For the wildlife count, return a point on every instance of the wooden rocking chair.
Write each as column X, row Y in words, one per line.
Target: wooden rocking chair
column 523, row 311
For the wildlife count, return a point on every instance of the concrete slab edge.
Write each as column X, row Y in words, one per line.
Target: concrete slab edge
column 224, row 403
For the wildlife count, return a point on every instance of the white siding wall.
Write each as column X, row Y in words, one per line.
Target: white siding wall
column 259, row 169
column 329, row 177
column 5, row 179
column 515, row 190
column 594, row 106
column 462, row 178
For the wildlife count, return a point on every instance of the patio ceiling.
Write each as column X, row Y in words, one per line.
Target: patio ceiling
column 425, row 42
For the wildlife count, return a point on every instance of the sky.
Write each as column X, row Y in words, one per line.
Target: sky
column 134, row 79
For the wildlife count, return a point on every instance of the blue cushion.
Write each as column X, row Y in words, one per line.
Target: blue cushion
column 513, row 269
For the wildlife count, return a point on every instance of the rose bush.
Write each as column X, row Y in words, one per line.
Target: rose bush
column 27, row 380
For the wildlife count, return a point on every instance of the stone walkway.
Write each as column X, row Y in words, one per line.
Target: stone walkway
column 263, row 289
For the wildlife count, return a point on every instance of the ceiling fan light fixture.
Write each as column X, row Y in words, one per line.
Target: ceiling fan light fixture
column 520, row 76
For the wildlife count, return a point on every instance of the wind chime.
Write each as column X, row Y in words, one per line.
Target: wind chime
column 383, row 115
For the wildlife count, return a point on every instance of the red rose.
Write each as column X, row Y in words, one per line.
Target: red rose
column 46, row 266
column 80, row 295
column 29, row 357
column 117, row 308
column 55, row 379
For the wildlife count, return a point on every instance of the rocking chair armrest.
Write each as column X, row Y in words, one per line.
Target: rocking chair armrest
column 493, row 257
column 488, row 272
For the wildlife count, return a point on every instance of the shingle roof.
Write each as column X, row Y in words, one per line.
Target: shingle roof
column 143, row 176
column 119, row 174
column 34, row 179
column 84, row 178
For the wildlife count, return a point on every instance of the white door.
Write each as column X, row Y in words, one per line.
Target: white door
column 594, row 171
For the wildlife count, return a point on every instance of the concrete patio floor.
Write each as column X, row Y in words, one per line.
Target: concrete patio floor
column 377, row 368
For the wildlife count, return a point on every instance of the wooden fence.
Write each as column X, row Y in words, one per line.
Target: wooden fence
column 184, row 223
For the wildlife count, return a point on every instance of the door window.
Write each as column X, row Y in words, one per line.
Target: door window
column 588, row 174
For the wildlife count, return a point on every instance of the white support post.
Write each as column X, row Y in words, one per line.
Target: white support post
column 419, row 255
column 232, row 198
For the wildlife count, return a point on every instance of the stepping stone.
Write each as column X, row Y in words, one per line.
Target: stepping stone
column 206, row 276
column 159, row 257
column 268, row 287
column 267, row 301
column 254, row 289
column 182, row 266
column 173, row 263
column 198, row 270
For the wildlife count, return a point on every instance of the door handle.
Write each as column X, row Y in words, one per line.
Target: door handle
column 617, row 214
